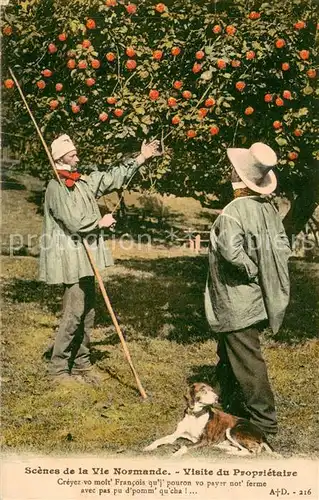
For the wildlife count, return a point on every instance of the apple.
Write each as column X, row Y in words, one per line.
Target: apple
column 118, row 112
column 210, row 102
column 154, row 94
column 52, row 48
column 175, row 51
column 187, row 94
column 9, row 84
column 95, row 63
column 90, row 24
column 82, row 99
column 103, row 116
column 90, row 82
column 54, row 104
column 110, row 56
column 214, row 130
column 177, row 84
column 111, row 100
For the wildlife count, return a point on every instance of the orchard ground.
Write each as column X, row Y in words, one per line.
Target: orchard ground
column 157, row 293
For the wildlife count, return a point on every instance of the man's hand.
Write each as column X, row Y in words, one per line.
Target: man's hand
column 107, row 221
column 148, row 150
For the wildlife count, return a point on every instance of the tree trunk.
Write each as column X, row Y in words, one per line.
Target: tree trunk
column 303, row 205
column 122, row 206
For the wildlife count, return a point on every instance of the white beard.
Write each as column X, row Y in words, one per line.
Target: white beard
column 62, row 166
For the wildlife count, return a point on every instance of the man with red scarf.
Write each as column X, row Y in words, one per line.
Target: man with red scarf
column 71, row 213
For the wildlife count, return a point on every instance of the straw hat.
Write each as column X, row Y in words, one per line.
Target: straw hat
column 61, row 146
column 254, row 166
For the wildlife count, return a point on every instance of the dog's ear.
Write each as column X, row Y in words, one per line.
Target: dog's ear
column 189, row 395
column 186, row 397
column 193, row 390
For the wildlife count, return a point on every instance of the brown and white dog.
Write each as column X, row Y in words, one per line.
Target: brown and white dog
column 205, row 425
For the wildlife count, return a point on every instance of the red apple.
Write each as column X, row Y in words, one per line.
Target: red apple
column 214, row 130
column 103, row 116
column 54, row 104
column 52, row 48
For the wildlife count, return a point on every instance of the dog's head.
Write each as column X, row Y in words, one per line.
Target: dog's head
column 201, row 395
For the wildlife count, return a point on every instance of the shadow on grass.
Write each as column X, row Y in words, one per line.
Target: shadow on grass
column 205, row 374
column 302, row 316
column 163, row 298
column 37, row 198
column 143, row 226
column 9, row 183
column 48, row 297
column 167, row 304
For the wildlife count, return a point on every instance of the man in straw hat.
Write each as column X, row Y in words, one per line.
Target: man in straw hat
column 70, row 213
column 248, row 284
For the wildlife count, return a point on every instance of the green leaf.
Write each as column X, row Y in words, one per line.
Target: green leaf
column 74, row 25
column 143, row 74
column 147, row 120
column 308, row 90
column 302, row 112
column 140, row 110
column 145, row 129
column 207, row 75
column 257, row 46
column 281, row 141
column 108, row 135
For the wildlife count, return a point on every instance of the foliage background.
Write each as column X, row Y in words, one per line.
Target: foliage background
column 191, row 166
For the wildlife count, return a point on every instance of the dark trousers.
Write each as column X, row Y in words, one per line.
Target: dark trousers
column 71, row 347
column 242, row 375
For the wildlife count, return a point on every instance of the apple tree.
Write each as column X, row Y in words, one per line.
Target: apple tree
column 202, row 76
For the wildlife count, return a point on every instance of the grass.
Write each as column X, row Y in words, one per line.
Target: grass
column 162, row 317
column 157, row 293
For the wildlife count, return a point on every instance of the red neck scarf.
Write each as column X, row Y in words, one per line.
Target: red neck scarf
column 238, row 193
column 70, row 177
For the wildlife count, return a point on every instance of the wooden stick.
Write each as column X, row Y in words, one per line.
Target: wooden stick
column 114, row 319
column 88, row 251
column 36, row 126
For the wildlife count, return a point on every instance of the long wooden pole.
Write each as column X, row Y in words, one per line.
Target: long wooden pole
column 88, row 251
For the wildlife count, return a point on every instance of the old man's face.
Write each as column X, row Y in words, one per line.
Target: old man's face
column 71, row 159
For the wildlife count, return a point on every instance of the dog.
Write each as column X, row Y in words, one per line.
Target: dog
column 204, row 425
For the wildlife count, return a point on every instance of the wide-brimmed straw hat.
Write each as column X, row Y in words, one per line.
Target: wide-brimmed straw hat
column 254, row 166
column 61, row 146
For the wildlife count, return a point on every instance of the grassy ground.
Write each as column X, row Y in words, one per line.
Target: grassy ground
column 158, row 296
column 162, row 317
